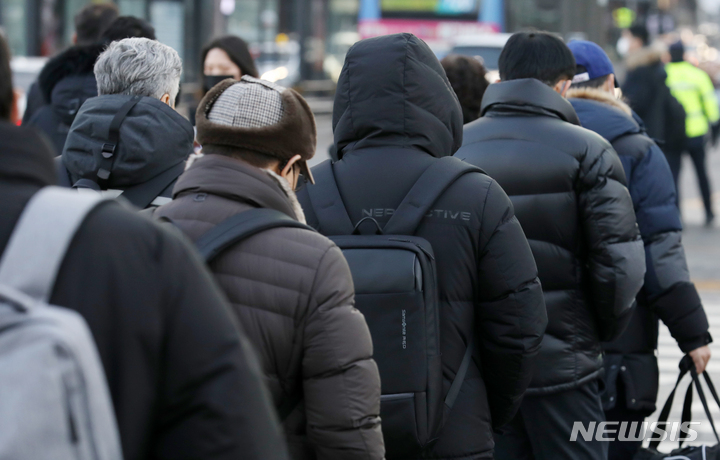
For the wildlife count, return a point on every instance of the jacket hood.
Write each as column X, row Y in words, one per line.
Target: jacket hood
column 527, row 95
column 70, row 93
column 393, row 92
column 235, row 180
column 601, row 112
column 25, row 156
column 78, row 60
column 646, row 56
column 153, row 138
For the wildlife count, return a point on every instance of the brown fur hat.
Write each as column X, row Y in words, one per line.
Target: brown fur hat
column 252, row 118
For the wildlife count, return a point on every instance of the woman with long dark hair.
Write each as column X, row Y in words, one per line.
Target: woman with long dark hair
column 226, row 57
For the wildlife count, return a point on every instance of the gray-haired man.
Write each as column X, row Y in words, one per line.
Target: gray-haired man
column 130, row 138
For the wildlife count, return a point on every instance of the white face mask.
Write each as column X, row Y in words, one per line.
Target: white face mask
column 623, row 46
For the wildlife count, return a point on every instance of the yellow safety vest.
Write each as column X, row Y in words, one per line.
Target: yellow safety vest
column 693, row 88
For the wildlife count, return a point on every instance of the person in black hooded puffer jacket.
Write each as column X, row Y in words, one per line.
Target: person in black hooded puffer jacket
column 67, row 80
column 567, row 186
column 395, row 115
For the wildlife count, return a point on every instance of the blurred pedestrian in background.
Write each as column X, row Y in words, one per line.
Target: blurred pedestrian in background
column 467, row 77
column 224, row 57
column 127, row 27
column 291, row 288
column 404, row 119
column 567, row 188
column 695, row 91
column 90, row 23
column 68, row 80
column 631, row 368
column 184, row 382
column 130, row 138
column 647, row 92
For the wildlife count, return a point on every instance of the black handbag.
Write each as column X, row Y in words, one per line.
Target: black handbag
column 690, row 452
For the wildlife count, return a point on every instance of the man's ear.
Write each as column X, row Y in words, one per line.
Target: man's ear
column 74, row 38
column 562, row 87
column 610, row 84
column 14, row 109
column 167, row 100
column 289, row 165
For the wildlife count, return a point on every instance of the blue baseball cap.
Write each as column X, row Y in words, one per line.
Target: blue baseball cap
column 593, row 58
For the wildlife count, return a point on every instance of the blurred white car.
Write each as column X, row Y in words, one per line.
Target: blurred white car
column 484, row 47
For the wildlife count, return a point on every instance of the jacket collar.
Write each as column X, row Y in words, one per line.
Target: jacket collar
column 238, row 181
column 598, row 95
column 25, row 156
column 601, row 112
column 530, row 96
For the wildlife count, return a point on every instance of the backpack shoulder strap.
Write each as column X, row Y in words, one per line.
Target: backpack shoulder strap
column 145, row 194
column 327, row 202
column 428, row 188
column 460, row 376
column 241, row 226
column 109, row 148
column 41, row 237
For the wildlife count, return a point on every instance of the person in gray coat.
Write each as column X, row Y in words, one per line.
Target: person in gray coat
column 290, row 288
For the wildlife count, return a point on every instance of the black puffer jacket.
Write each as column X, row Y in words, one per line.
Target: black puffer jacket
column 153, row 139
column 185, row 385
column 667, row 292
column 292, row 290
column 567, row 186
column 389, row 130
column 66, row 82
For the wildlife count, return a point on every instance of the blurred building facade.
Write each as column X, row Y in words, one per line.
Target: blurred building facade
column 311, row 36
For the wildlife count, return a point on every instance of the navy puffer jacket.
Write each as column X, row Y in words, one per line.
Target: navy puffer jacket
column 667, row 292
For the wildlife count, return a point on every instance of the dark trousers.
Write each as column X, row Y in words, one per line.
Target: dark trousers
column 695, row 147
column 542, row 427
column 624, row 450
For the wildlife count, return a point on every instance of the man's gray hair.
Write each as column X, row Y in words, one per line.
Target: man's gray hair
column 139, row 67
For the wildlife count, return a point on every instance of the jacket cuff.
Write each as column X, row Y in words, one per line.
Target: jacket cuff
column 680, row 308
column 689, row 345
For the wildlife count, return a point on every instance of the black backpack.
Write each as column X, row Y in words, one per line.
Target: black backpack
column 396, row 289
column 154, row 192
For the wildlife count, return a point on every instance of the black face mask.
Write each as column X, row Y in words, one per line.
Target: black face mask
column 211, row 80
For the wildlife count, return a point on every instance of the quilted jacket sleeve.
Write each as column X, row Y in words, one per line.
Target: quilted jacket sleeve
column 341, row 380
column 667, row 281
column 511, row 310
column 616, row 259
